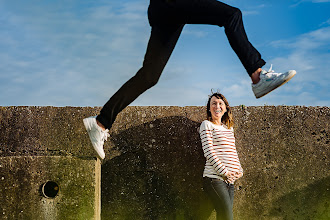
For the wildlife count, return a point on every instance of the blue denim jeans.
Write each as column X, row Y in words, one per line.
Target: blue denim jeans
column 167, row 19
column 222, row 196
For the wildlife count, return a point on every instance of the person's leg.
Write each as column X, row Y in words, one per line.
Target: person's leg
column 162, row 41
column 218, row 13
column 231, row 189
column 161, row 44
column 217, row 191
column 248, row 55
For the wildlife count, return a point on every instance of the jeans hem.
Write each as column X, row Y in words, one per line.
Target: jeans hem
column 256, row 66
column 103, row 121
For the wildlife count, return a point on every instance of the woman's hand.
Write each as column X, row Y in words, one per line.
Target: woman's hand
column 238, row 174
column 233, row 176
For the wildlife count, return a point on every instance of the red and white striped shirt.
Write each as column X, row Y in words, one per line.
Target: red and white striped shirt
column 219, row 150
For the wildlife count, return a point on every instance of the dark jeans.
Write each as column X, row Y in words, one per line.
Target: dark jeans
column 222, row 196
column 167, row 19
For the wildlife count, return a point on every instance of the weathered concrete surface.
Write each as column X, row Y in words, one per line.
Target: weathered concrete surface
column 43, row 131
column 22, row 178
column 40, row 144
column 285, row 153
column 154, row 160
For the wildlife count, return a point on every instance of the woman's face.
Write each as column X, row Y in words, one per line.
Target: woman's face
column 217, row 108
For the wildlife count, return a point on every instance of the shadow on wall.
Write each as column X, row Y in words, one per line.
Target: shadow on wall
column 158, row 174
column 311, row 202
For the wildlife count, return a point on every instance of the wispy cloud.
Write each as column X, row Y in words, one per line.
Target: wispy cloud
column 80, row 52
column 319, row 1
column 298, row 2
column 310, row 57
column 255, row 10
column 308, row 51
column 59, row 52
column 326, row 23
column 195, row 33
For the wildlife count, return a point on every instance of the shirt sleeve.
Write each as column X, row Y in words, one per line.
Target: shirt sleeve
column 205, row 133
column 240, row 169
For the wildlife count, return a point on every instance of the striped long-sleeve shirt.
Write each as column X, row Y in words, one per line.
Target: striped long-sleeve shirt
column 219, row 150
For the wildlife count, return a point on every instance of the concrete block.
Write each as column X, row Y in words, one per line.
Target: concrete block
column 25, row 195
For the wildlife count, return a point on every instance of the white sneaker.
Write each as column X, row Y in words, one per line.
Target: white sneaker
column 96, row 135
column 269, row 80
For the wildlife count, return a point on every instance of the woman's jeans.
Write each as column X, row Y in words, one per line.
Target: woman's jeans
column 167, row 19
column 222, row 196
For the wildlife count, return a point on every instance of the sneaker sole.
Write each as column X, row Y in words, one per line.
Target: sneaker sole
column 87, row 126
column 287, row 80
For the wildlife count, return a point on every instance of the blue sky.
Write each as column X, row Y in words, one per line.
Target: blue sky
column 79, row 53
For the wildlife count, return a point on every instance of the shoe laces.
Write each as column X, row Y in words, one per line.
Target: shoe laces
column 105, row 135
column 271, row 73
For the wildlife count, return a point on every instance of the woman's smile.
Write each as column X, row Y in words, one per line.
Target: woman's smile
column 218, row 109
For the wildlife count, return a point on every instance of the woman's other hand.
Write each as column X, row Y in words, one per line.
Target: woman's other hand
column 233, row 176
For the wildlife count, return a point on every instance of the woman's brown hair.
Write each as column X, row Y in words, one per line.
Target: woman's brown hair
column 227, row 118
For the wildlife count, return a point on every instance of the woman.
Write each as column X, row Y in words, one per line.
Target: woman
column 222, row 165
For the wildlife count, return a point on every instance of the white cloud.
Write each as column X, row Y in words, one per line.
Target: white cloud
column 238, row 89
column 320, row 1
column 309, row 41
column 59, row 52
column 254, row 10
column 298, row 2
column 73, row 54
column 326, row 23
column 195, row 33
column 310, row 57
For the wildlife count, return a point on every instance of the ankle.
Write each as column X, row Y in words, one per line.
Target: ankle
column 255, row 77
column 101, row 125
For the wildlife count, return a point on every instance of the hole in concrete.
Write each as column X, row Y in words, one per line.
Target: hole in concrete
column 50, row 189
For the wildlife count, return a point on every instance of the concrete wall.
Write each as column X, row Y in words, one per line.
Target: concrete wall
column 38, row 145
column 154, row 162
column 22, row 197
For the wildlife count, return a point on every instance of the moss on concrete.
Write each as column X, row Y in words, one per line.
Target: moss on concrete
column 44, row 131
column 283, row 150
column 22, row 178
column 154, row 162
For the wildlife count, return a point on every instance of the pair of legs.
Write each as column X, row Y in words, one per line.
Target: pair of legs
column 167, row 19
column 222, row 196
